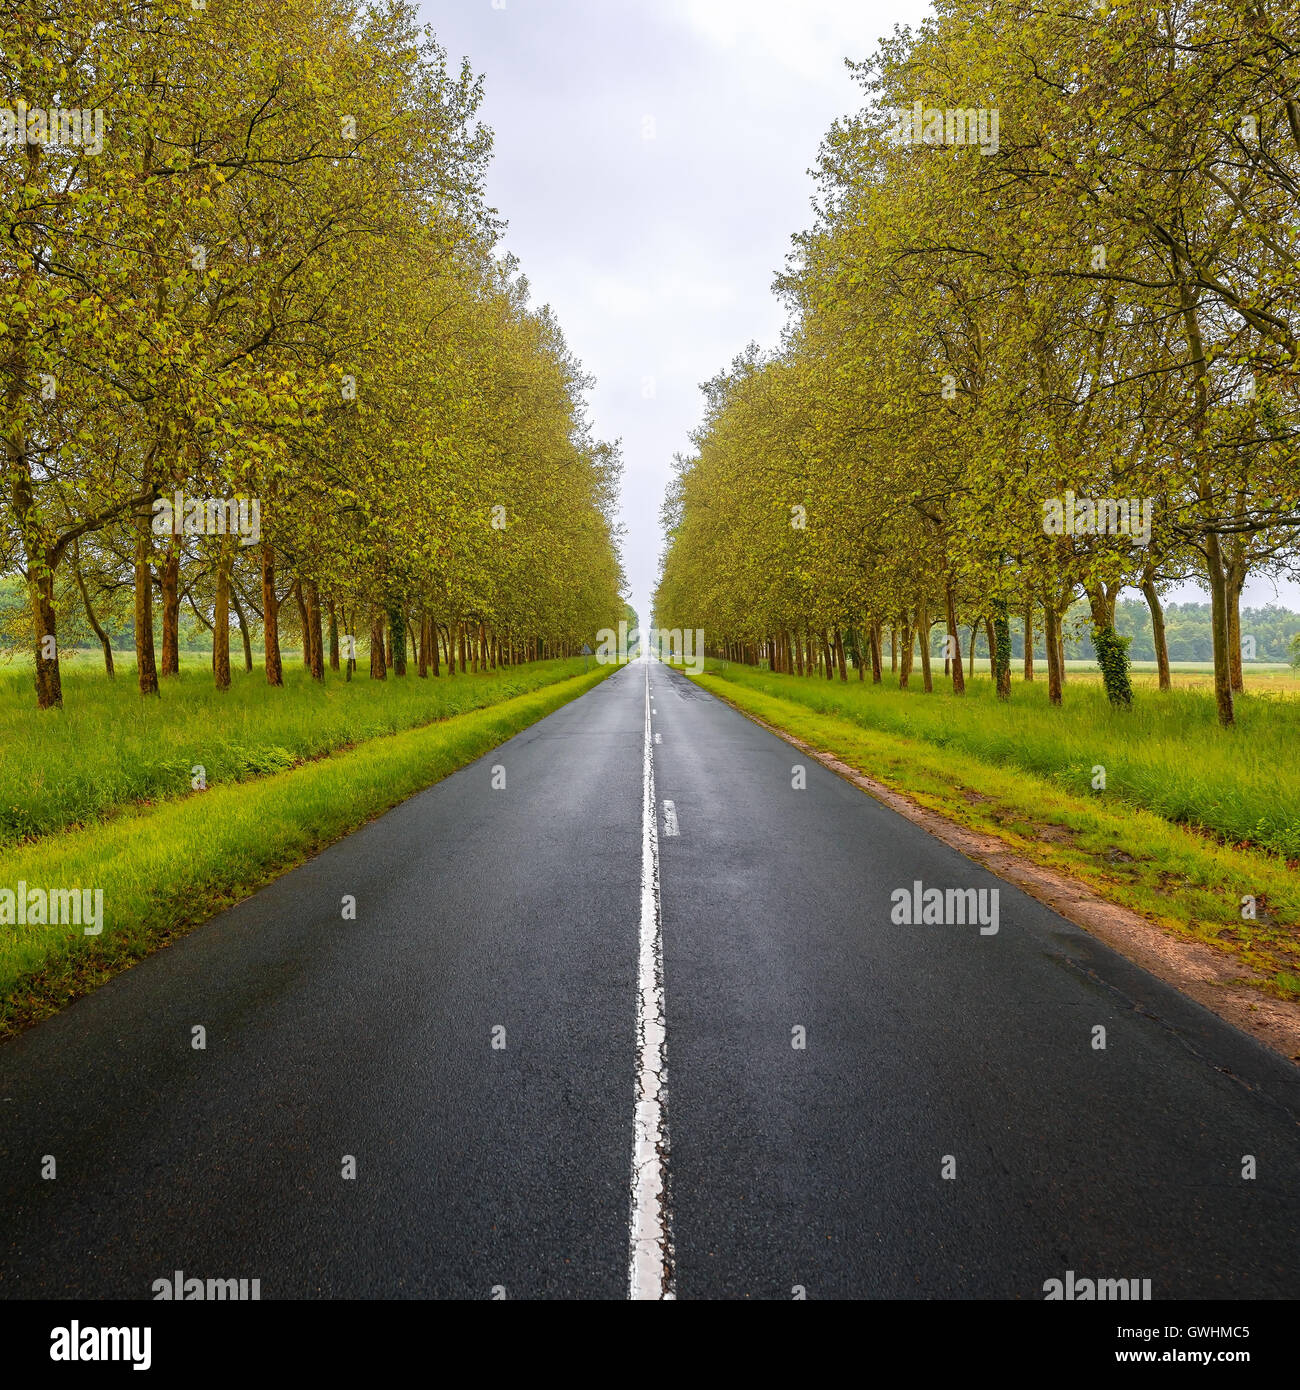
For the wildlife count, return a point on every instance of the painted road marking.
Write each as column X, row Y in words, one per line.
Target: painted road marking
column 650, row 1274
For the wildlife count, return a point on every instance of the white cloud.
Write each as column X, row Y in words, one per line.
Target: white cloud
column 659, row 296
column 658, row 254
column 810, row 37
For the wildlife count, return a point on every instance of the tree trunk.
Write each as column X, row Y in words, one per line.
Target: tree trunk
column 397, row 627
column 334, row 635
column 145, row 664
column 243, row 628
column 1000, row 650
column 303, row 623
column 221, row 622
column 839, row 654
column 876, row 658
column 1214, row 562
column 1029, row 640
column 923, row 635
column 1051, row 639
column 1158, row 639
column 905, row 657
column 49, row 678
column 270, row 618
column 954, row 643
column 1220, row 629
column 171, row 609
column 1109, row 646
column 315, row 632
column 378, row 666
column 94, row 621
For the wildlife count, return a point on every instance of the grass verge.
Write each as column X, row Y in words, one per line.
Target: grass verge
column 165, row 869
column 1185, row 882
column 107, row 748
column 1167, row 754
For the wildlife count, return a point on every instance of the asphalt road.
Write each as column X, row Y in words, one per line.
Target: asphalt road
column 926, row 1049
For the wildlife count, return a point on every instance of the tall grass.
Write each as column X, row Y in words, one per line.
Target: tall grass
column 1166, row 754
column 107, row 748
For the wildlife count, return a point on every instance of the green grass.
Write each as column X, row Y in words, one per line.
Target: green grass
column 1189, row 884
column 108, row 749
column 1167, row 754
column 166, row 868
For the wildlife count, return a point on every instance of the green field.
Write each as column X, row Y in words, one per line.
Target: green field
column 107, row 748
column 1166, row 754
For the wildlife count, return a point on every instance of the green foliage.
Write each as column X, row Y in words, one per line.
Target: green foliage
column 1112, row 657
column 278, row 280
column 980, row 337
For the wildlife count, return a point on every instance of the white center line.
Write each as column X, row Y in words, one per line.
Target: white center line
column 650, row 1272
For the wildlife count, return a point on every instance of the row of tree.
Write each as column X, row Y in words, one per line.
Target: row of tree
column 1056, row 364
column 258, row 346
column 1270, row 636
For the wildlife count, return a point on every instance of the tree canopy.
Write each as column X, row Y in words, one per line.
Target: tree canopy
column 1043, row 344
column 258, row 340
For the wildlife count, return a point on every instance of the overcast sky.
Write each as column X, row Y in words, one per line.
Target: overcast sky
column 652, row 161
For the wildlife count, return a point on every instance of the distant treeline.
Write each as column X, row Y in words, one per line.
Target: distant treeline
column 1187, row 632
